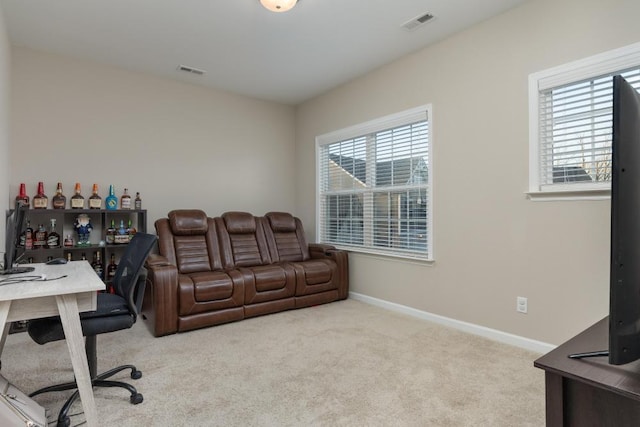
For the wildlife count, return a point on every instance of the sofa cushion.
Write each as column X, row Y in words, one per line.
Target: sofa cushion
column 212, row 286
column 191, row 254
column 203, row 292
column 285, row 237
column 268, row 283
column 239, row 222
column 317, row 271
column 188, row 222
column 316, row 276
column 281, row 221
column 269, row 278
column 242, row 240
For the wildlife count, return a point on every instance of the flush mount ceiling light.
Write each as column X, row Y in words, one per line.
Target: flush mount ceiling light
column 279, row 5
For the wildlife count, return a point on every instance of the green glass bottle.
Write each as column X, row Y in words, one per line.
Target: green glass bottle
column 111, row 202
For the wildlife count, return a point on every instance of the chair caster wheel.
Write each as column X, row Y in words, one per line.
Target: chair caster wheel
column 136, row 398
column 65, row 422
column 136, row 375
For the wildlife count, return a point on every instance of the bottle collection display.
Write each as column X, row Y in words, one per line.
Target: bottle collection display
column 77, row 201
column 74, row 227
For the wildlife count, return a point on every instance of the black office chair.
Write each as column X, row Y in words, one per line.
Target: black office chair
column 114, row 312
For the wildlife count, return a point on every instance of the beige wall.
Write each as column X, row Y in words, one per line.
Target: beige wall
column 179, row 145
column 5, row 165
column 491, row 243
column 186, row 146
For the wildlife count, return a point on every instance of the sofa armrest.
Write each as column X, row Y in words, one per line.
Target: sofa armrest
column 156, row 260
column 160, row 304
column 340, row 257
column 319, row 250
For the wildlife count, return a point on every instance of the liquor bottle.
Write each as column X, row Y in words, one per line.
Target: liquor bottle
column 131, row 231
column 112, row 201
column 97, row 265
column 125, row 200
column 40, row 240
column 110, row 235
column 68, row 241
column 138, row 202
column 59, row 201
column 121, row 234
column 95, row 201
column 77, row 201
column 53, row 239
column 69, row 257
column 22, row 196
column 28, row 236
column 111, row 268
column 40, row 200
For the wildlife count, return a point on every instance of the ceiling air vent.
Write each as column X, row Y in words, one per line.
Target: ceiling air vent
column 191, row 70
column 414, row 23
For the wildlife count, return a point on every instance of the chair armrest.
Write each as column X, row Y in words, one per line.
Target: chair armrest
column 340, row 257
column 160, row 304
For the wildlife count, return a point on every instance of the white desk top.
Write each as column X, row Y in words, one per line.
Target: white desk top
column 80, row 278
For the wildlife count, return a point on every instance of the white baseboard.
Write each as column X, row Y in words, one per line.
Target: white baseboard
column 493, row 334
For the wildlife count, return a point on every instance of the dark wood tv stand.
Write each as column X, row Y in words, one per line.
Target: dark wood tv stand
column 590, row 392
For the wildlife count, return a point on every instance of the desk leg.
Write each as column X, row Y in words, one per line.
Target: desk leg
column 554, row 395
column 68, row 308
column 4, row 313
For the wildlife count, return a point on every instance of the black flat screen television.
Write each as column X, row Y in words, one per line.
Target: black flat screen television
column 15, row 220
column 624, row 281
column 624, row 298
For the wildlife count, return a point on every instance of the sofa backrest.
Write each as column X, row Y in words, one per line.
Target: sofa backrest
column 189, row 240
column 285, row 237
column 242, row 240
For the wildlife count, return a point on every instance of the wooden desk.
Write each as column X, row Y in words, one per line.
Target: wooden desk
column 66, row 297
column 590, row 392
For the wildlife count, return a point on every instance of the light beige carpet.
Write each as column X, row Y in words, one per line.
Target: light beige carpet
column 340, row 364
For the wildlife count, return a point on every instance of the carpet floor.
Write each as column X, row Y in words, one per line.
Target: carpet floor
column 341, row 364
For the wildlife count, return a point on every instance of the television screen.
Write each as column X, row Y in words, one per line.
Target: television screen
column 624, row 274
column 624, row 299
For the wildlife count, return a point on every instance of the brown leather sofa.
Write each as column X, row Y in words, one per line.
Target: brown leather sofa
column 215, row 270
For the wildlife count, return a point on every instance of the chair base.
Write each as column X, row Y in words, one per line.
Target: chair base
column 98, row 381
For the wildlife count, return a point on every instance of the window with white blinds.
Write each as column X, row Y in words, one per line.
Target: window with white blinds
column 374, row 186
column 571, row 113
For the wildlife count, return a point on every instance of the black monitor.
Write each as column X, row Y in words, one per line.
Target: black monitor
column 624, row 281
column 15, row 220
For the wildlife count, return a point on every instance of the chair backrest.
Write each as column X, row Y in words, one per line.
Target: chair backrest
column 285, row 237
column 130, row 268
column 189, row 240
column 242, row 240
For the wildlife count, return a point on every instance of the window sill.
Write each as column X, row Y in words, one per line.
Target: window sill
column 563, row 195
column 414, row 259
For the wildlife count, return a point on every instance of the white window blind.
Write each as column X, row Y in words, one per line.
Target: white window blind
column 570, row 124
column 575, row 130
column 374, row 187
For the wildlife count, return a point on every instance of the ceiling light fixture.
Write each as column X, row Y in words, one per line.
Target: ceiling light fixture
column 279, row 5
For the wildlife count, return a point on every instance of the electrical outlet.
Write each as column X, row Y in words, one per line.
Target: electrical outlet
column 521, row 305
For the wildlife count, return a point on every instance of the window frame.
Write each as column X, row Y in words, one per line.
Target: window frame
column 591, row 67
column 403, row 118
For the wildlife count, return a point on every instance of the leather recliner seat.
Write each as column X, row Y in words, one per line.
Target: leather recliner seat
column 211, row 271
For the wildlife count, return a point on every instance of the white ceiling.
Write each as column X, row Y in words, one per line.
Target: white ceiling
column 284, row 57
